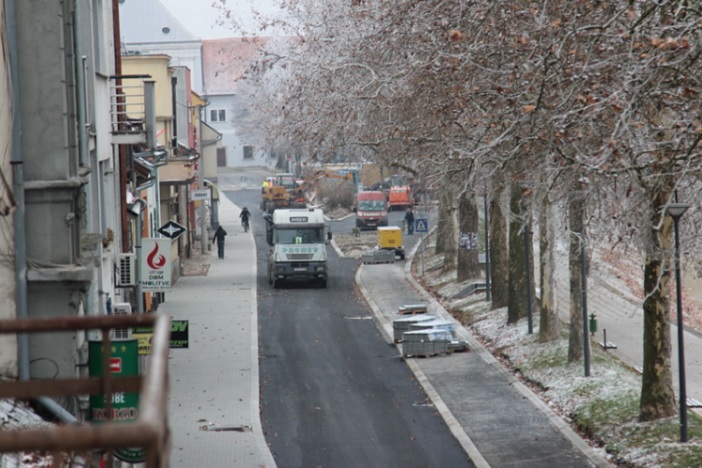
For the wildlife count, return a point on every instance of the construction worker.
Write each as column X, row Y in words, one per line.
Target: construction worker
column 409, row 221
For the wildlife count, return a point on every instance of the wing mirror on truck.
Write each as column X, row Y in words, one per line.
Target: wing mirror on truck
column 269, row 228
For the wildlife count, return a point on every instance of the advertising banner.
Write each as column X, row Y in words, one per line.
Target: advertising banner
column 155, row 261
column 125, row 405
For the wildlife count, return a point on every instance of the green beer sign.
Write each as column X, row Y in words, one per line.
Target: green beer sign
column 123, row 361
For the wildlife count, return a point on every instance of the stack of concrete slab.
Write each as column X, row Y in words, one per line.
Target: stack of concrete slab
column 403, row 324
column 438, row 324
column 378, row 256
column 412, row 309
column 426, row 343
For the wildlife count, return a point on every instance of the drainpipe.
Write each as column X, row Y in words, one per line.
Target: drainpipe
column 93, row 202
column 174, row 103
column 79, row 61
column 18, row 189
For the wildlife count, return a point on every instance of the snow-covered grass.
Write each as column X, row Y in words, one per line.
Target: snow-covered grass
column 603, row 408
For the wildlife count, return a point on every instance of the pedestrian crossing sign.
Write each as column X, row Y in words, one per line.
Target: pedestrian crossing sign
column 421, row 225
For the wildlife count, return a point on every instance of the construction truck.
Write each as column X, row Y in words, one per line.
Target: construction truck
column 298, row 238
column 280, row 193
column 400, row 194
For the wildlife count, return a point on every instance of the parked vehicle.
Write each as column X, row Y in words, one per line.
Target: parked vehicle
column 371, row 209
column 400, row 194
column 298, row 238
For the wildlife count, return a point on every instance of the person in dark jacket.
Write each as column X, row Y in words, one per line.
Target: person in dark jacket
column 409, row 221
column 245, row 215
column 219, row 237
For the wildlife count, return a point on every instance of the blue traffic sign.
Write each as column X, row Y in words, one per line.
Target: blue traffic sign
column 421, row 225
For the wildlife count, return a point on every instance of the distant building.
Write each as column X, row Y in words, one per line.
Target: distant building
column 225, row 62
column 147, row 27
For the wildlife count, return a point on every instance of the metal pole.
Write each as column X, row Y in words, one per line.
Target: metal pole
column 137, row 247
column 681, row 348
column 487, row 247
column 530, row 325
column 583, row 288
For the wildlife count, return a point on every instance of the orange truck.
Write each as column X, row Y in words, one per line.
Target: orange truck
column 371, row 209
column 400, row 194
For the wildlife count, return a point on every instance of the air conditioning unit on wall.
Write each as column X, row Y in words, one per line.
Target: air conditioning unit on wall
column 126, row 270
column 122, row 308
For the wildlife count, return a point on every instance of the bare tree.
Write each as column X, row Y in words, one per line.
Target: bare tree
column 499, row 251
column 468, row 266
column 549, row 323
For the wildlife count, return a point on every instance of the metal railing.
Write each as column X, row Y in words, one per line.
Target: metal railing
column 150, row 430
column 128, row 108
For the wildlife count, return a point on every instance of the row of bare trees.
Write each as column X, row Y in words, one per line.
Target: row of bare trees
column 576, row 116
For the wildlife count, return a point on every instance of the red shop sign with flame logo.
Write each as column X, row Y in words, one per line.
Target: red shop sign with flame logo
column 155, row 257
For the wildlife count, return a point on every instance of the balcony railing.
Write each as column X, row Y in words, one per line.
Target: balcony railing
column 133, row 113
column 150, row 431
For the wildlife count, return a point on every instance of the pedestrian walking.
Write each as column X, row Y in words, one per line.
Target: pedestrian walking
column 245, row 215
column 409, row 221
column 219, row 237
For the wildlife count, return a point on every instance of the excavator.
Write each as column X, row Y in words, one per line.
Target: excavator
column 279, row 193
column 284, row 192
column 300, row 192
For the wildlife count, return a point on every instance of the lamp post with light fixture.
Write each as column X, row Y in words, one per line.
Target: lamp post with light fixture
column 676, row 210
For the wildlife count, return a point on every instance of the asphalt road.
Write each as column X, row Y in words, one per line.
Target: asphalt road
column 333, row 392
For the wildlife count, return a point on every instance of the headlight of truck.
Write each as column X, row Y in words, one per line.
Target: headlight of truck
column 320, row 268
column 280, row 269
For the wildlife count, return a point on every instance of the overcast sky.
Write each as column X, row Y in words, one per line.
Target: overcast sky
column 200, row 18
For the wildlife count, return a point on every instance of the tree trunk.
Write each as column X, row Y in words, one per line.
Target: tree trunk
column 549, row 324
column 443, row 221
column 657, row 396
column 468, row 265
column 576, row 229
column 519, row 241
column 445, row 239
column 499, row 253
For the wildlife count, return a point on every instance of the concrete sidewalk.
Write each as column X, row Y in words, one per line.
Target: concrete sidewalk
column 497, row 419
column 214, row 398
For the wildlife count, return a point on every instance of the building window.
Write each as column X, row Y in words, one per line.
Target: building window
column 218, row 115
column 221, row 157
column 248, row 152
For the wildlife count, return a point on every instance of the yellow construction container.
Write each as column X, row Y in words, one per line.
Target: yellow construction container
column 389, row 237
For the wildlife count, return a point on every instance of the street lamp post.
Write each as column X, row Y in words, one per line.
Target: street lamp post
column 527, row 242
column 583, row 288
column 526, row 188
column 487, row 246
column 676, row 210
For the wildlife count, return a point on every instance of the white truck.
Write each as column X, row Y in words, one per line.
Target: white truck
column 298, row 237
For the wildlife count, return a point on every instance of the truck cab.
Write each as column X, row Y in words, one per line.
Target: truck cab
column 371, row 209
column 298, row 238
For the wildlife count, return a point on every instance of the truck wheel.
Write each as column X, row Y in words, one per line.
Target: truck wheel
column 323, row 283
column 277, row 283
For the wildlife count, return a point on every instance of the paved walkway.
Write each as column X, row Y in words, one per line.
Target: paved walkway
column 214, row 414
column 621, row 315
column 497, row 419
